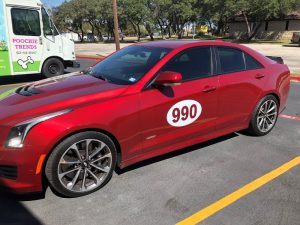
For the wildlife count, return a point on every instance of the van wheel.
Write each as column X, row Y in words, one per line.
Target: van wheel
column 81, row 164
column 53, row 67
column 264, row 116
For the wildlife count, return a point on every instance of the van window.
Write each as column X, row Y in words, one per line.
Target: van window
column 46, row 23
column 26, row 22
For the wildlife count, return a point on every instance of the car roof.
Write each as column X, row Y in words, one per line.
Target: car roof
column 177, row 43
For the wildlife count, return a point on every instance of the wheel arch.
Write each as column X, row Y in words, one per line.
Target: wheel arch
column 52, row 57
column 276, row 95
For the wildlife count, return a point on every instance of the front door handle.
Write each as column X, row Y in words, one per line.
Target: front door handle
column 259, row 76
column 209, row 88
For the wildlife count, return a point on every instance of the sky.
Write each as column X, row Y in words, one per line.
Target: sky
column 2, row 28
column 52, row 2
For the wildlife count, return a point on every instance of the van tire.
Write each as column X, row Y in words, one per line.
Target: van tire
column 53, row 67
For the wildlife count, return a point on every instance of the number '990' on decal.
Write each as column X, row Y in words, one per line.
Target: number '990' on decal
column 184, row 113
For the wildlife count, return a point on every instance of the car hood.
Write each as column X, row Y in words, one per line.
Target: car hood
column 58, row 93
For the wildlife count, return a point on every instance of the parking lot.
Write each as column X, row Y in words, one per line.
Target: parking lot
column 173, row 187
column 290, row 53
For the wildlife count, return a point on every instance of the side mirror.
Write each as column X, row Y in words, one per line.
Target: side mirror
column 168, row 78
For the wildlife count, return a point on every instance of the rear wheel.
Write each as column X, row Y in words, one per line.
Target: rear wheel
column 53, row 67
column 81, row 164
column 264, row 116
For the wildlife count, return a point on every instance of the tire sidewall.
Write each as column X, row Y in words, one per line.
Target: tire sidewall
column 48, row 63
column 253, row 124
column 51, row 169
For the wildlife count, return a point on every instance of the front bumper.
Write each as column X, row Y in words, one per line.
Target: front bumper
column 18, row 170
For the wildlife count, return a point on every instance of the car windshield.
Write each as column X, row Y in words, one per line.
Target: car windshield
column 128, row 65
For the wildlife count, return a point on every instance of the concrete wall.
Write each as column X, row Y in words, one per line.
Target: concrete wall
column 276, row 30
column 294, row 25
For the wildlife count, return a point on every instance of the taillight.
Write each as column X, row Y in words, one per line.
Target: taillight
column 294, row 36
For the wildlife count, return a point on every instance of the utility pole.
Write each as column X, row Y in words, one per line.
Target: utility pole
column 116, row 25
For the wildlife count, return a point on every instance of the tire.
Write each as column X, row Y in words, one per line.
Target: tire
column 89, row 174
column 264, row 116
column 53, row 67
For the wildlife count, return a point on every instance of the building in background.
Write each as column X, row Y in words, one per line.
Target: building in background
column 273, row 29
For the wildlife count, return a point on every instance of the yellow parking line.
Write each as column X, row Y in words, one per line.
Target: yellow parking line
column 233, row 197
column 7, row 85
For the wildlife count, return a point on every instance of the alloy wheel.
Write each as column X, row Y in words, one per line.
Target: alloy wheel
column 267, row 116
column 85, row 165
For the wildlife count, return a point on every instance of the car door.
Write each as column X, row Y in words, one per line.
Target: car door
column 175, row 115
column 241, row 80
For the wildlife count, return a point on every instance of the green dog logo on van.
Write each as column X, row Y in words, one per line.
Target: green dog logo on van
column 3, row 46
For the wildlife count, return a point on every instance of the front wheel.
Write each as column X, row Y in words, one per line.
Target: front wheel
column 53, row 67
column 81, row 164
column 264, row 116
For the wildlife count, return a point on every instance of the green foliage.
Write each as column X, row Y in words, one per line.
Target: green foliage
column 167, row 16
column 3, row 46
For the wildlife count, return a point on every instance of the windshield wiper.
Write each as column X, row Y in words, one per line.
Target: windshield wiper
column 100, row 76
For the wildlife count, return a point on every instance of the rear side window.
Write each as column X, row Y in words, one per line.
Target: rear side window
column 231, row 60
column 192, row 64
column 234, row 60
column 26, row 22
column 251, row 63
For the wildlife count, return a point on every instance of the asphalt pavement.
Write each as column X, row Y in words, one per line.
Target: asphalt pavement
column 168, row 189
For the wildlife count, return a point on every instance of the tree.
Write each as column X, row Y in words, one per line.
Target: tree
column 260, row 10
column 160, row 11
column 71, row 16
column 182, row 12
column 135, row 12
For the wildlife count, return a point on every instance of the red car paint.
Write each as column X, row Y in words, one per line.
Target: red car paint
column 135, row 118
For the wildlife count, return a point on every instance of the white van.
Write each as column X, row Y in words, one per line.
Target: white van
column 30, row 42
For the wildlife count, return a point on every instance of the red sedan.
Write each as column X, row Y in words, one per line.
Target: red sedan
column 142, row 101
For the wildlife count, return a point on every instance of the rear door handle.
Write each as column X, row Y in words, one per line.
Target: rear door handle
column 259, row 76
column 209, row 88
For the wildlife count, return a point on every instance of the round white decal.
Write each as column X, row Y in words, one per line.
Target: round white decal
column 184, row 113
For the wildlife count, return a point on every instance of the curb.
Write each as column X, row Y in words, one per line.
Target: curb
column 88, row 57
column 295, row 78
column 289, row 117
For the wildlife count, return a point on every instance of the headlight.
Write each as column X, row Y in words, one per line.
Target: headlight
column 18, row 133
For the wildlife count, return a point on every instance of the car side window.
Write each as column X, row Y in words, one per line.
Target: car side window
column 192, row 64
column 231, row 60
column 251, row 63
column 26, row 22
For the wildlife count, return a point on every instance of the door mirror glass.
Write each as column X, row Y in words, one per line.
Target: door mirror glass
column 168, row 78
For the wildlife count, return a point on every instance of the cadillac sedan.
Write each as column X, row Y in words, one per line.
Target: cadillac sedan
column 140, row 102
